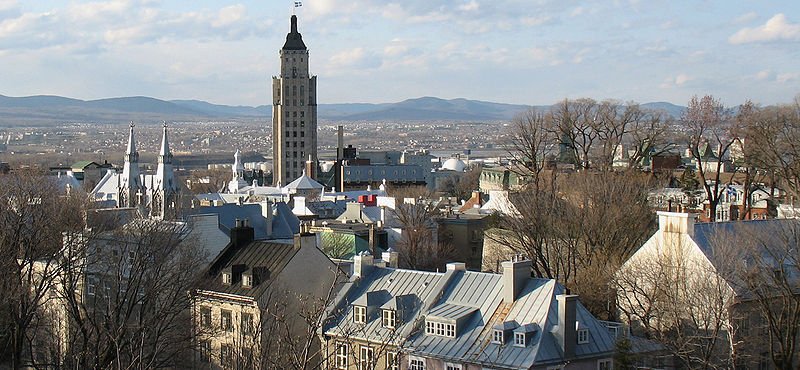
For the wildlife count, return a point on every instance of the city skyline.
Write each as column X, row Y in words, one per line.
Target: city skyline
column 371, row 51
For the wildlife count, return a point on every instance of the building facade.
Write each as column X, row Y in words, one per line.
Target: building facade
column 294, row 110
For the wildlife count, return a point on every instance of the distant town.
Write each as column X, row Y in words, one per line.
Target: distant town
column 428, row 234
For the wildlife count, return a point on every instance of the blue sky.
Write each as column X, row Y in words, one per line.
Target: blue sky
column 514, row 51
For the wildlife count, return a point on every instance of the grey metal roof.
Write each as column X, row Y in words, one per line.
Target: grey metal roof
column 450, row 312
column 457, row 293
column 415, row 286
column 284, row 223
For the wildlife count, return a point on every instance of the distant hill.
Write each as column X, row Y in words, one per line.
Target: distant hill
column 46, row 110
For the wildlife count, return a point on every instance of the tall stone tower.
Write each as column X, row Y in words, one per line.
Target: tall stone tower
column 294, row 111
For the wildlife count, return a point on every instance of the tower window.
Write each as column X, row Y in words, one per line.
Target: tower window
column 294, row 123
column 302, row 144
column 302, row 134
column 302, row 114
column 294, row 144
column 287, row 114
column 294, row 133
column 294, row 114
column 302, row 123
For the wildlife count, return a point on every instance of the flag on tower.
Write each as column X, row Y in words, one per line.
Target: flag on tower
column 298, row 4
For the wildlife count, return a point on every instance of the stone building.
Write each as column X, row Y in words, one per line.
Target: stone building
column 294, row 110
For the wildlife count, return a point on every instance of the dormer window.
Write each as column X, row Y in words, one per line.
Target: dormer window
column 389, row 319
column 247, row 280
column 497, row 337
column 583, row 336
column 359, row 314
column 226, row 278
column 519, row 339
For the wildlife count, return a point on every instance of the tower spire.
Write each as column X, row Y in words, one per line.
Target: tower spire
column 129, row 184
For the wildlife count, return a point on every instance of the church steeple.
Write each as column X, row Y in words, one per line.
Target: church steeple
column 294, row 40
column 129, row 184
column 164, row 188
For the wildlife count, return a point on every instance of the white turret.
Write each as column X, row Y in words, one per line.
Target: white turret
column 130, row 183
column 237, row 181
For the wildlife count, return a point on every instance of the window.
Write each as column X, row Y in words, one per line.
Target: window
column 389, row 319
column 225, row 320
column 583, row 336
column 294, row 114
column 604, row 364
column 416, row 363
column 226, row 277
column 247, row 280
column 392, row 362
column 302, row 114
column 450, row 330
column 247, row 323
column 341, row 356
column 519, row 339
column 205, row 351
column 452, row 366
column 359, row 314
column 497, row 337
column 302, row 134
column 226, row 355
column 205, row 317
column 366, row 358
column 430, row 327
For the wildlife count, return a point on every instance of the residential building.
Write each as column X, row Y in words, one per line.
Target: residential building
column 234, row 310
column 458, row 319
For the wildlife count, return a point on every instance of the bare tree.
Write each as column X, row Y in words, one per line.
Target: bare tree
column 531, row 140
column 421, row 246
column 709, row 140
column 34, row 217
column 127, row 301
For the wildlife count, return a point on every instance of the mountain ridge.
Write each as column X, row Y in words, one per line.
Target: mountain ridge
column 51, row 109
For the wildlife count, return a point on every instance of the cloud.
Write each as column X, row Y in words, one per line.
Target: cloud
column 536, row 21
column 97, row 26
column 787, row 77
column 745, row 18
column 777, row 28
column 577, row 11
column 469, row 7
column 679, row 80
column 763, row 75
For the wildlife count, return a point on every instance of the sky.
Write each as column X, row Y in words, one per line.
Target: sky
column 376, row 51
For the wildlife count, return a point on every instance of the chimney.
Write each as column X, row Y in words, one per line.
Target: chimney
column 566, row 335
column 391, row 257
column 267, row 213
column 311, row 168
column 362, row 264
column 515, row 275
column 675, row 223
column 372, row 241
column 242, row 233
column 456, row 266
column 305, row 238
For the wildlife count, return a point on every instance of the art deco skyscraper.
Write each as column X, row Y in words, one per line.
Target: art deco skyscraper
column 294, row 111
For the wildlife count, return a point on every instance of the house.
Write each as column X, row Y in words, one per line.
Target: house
column 697, row 273
column 404, row 319
column 234, row 309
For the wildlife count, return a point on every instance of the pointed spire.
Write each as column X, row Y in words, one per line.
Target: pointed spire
column 164, row 143
column 294, row 40
column 131, row 142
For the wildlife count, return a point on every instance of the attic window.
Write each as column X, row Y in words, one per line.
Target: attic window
column 440, row 329
column 583, row 336
column 226, row 278
column 519, row 339
column 359, row 314
column 497, row 337
column 389, row 319
column 247, row 280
